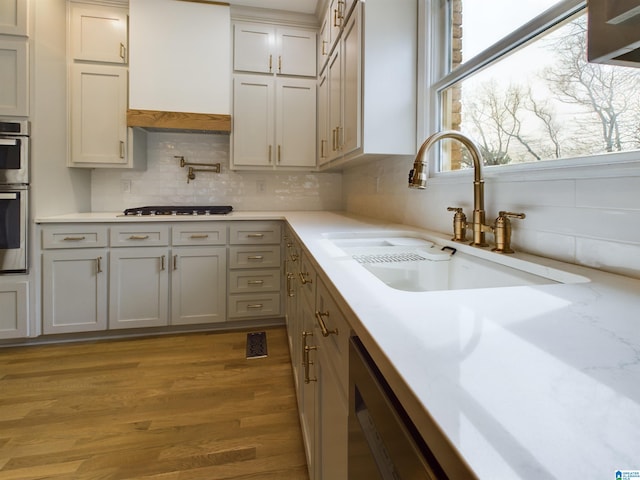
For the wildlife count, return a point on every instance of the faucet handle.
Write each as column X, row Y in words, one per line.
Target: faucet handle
column 502, row 231
column 459, row 224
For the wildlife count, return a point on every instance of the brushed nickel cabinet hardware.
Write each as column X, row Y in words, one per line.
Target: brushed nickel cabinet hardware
column 121, row 149
column 255, row 305
column 74, row 239
column 138, row 237
column 255, row 282
column 99, row 265
column 255, row 257
column 255, row 235
column 303, row 278
column 163, row 260
column 323, row 327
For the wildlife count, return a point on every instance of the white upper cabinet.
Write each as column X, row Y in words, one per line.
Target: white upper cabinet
column 262, row 48
column 14, row 76
column 14, row 16
column 180, row 56
column 99, row 34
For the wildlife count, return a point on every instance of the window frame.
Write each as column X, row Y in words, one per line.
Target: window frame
column 434, row 61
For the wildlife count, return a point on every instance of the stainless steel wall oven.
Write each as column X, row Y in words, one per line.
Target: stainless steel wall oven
column 14, row 195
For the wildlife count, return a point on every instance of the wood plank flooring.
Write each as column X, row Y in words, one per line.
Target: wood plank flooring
column 179, row 407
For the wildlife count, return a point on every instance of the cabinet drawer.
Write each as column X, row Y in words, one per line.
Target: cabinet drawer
column 329, row 318
column 139, row 235
column 254, row 305
column 250, row 281
column 252, row 257
column 254, row 233
column 199, row 234
column 74, row 236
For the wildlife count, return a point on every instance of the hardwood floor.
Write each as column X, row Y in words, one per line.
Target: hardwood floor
column 166, row 408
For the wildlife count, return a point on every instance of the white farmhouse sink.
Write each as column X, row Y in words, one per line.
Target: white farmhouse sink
column 412, row 262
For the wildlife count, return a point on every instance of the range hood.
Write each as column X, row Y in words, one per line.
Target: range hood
column 179, row 65
column 613, row 35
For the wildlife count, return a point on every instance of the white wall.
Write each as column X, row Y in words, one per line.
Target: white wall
column 165, row 183
column 55, row 189
column 589, row 221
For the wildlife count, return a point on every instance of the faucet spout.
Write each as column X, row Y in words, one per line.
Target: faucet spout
column 419, row 173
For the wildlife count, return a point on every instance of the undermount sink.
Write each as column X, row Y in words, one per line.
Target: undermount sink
column 412, row 262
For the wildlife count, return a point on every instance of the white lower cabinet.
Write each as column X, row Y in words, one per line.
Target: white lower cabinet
column 155, row 274
column 138, row 287
column 14, row 318
column 75, row 272
column 322, row 380
column 198, row 286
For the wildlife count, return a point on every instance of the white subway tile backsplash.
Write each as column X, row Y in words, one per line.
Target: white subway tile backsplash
column 611, row 256
column 618, row 193
column 164, row 182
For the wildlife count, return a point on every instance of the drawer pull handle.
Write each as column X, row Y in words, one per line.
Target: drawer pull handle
column 175, row 262
column 303, row 278
column 306, row 362
column 163, row 260
column 323, row 328
column 199, row 235
column 138, row 237
column 255, row 257
column 255, row 282
column 99, row 265
column 255, row 305
column 255, row 235
column 74, row 239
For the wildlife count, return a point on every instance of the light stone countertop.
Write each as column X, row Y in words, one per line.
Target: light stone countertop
column 532, row 382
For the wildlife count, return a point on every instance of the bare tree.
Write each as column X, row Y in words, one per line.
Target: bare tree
column 608, row 95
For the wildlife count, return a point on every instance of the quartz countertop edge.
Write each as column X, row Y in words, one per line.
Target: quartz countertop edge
column 529, row 382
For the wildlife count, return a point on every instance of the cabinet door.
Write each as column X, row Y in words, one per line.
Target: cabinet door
column 324, row 42
column 308, row 387
column 296, row 52
column 323, row 119
column 334, row 70
column 198, row 285
column 99, row 34
column 14, row 318
column 332, row 460
column 14, row 17
column 98, row 116
column 14, row 77
column 74, row 290
column 138, row 287
column 252, row 48
column 351, row 85
column 253, row 121
column 296, row 123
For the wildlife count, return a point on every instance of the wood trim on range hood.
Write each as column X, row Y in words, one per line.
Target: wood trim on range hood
column 183, row 121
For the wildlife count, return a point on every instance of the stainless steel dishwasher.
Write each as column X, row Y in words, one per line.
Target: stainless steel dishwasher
column 383, row 443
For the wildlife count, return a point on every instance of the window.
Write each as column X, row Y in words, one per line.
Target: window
column 516, row 80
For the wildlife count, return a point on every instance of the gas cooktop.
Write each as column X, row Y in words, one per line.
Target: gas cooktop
column 180, row 210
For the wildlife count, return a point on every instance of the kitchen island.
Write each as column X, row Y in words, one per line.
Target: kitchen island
column 532, row 382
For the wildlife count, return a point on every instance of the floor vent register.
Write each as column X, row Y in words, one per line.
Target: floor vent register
column 256, row 345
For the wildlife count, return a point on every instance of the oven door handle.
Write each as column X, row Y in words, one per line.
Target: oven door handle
column 8, row 196
column 8, row 141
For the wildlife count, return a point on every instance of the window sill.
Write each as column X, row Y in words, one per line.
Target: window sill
column 609, row 165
